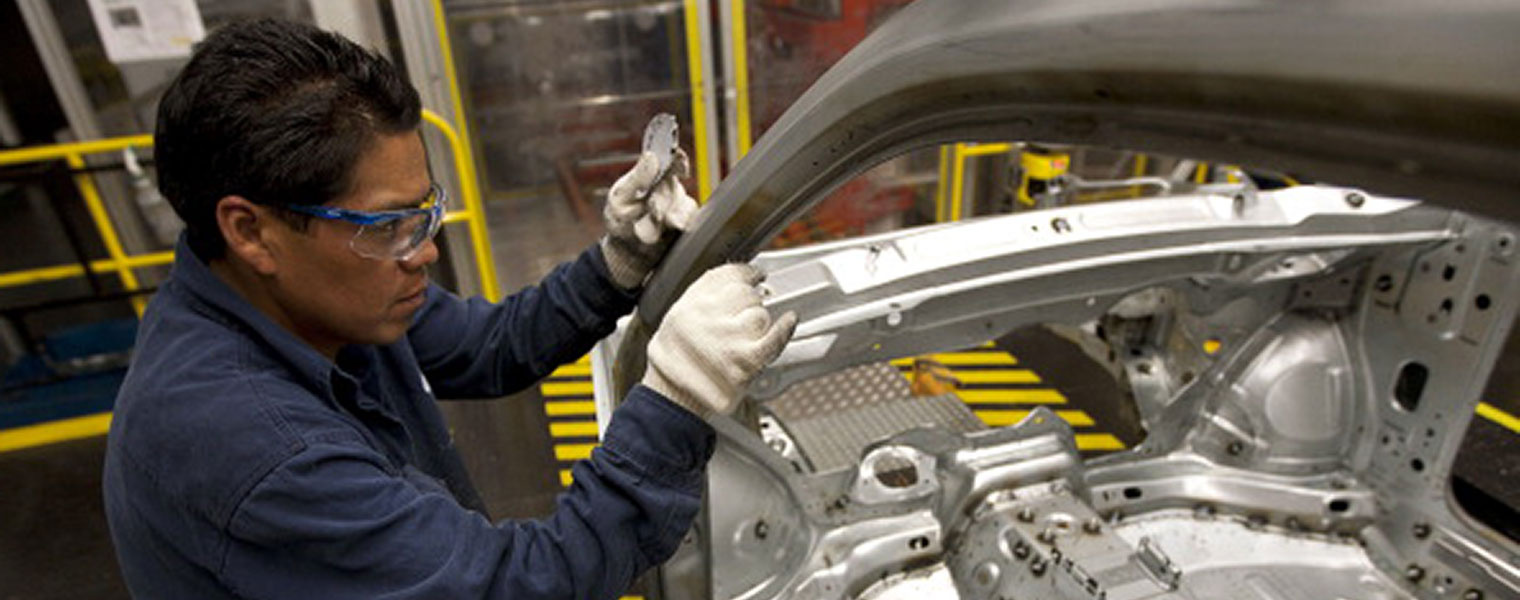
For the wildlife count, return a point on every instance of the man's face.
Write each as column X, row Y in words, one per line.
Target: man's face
column 332, row 296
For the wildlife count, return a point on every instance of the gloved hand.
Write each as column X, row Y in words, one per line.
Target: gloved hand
column 715, row 338
column 636, row 240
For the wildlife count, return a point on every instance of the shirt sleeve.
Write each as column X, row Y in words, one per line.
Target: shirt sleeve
column 473, row 348
column 335, row 522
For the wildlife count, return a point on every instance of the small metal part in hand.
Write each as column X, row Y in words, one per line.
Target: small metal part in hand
column 660, row 138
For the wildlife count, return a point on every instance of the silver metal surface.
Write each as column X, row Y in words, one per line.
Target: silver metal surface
column 1283, row 444
column 358, row 20
column 832, row 419
column 1305, row 361
column 660, row 138
column 915, row 291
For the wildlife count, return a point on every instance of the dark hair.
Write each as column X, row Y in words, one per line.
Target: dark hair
column 277, row 112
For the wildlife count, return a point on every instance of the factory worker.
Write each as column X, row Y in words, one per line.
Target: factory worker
column 278, row 435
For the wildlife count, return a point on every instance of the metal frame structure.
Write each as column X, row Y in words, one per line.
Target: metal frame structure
column 1271, row 338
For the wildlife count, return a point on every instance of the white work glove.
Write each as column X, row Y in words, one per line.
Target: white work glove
column 715, row 338
column 636, row 227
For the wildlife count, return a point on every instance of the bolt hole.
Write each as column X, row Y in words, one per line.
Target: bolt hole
column 1446, row 306
column 1461, row 248
column 1410, row 385
column 1384, row 283
column 918, row 543
column 1482, row 302
column 1132, row 493
column 1449, row 272
column 1417, row 464
column 1143, row 368
column 1340, row 505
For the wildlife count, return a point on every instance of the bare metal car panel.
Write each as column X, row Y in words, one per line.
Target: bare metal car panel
column 1307, row 457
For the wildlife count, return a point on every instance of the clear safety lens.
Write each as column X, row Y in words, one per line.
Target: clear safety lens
column 400, row 238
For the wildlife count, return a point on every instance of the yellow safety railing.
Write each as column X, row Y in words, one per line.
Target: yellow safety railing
column 699, row 101
column 474, row 210
column 464, row 159
column 959, row 153
column 740, row 51
column 123, row 264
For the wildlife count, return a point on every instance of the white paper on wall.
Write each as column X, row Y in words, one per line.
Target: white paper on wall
column 137, row 30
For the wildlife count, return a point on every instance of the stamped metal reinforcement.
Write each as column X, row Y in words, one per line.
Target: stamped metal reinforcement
column 660, row 137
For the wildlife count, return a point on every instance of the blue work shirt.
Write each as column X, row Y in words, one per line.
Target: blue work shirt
column 242, row 463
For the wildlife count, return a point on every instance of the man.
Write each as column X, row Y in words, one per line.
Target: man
column 277, row 437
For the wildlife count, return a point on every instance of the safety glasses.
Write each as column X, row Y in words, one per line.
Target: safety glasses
column 387, row 234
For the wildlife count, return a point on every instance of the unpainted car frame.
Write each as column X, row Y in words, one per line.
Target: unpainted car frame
column 1308, row 456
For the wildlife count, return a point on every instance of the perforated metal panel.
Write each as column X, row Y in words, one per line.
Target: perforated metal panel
column 834, row 417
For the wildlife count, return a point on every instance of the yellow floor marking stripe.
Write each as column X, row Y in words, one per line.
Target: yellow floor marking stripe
column 565, row 478
column 52, row 432
column 1098, row 441
column 1003, row 418
column 563, row 408
column 584, row 360
column 575, row 370
column 572, row 451
column 1035, row 396
column 566, row 388
column 902, row 362
column 578, row 429
column 974, row 358
column 998, row 376
column 1497, row 415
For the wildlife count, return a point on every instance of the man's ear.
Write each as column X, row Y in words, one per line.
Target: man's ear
column 248, row 229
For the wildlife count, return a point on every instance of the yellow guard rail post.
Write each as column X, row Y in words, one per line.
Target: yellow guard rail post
column 959, row 153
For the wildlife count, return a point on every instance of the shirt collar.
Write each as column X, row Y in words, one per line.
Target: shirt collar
column 220, row 302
